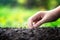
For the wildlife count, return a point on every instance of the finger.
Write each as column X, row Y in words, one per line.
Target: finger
column 30, row 23
column 39, row 23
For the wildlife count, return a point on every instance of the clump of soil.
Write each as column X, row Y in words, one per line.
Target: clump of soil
column 30, row 34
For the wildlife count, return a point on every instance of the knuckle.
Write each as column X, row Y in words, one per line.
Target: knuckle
column 29, row 19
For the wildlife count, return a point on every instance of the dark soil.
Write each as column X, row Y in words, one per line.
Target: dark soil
column 30, row 34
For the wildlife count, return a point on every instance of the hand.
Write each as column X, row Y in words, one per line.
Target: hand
column 42, row 17
column 36, row 19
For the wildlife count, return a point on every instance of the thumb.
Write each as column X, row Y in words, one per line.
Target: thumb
column 39, row 23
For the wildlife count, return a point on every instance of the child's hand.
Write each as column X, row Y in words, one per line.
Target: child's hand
column 42, row 17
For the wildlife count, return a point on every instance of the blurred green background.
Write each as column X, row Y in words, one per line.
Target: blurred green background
column 15, row 13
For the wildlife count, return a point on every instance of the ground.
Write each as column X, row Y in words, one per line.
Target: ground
column 30, row 34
